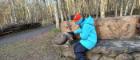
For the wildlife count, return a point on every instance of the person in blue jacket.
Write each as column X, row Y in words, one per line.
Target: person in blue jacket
column 88, row 36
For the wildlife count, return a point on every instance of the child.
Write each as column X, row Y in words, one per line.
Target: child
column 88, row 36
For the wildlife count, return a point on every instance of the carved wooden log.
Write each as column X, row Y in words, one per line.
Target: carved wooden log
column 117, row 27
column 111, row 28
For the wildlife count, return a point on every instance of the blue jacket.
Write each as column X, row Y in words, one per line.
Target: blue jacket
column 87, row 32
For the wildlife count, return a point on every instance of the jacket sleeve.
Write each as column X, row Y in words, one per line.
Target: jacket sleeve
column 85, row 31
column 78, row 31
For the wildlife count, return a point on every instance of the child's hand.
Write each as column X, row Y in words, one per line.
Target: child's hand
column 66, row 46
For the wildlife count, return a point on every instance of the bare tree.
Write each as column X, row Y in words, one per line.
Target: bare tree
column 133, row 6
column 121, row 8
column 103, row 7
column 60, row 10
column 116, row 8
column 56, row 15
column 127, row 6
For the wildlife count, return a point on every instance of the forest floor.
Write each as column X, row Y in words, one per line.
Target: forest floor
column 30, row 45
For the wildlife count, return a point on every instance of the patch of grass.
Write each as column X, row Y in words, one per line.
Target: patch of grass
column 56, row 30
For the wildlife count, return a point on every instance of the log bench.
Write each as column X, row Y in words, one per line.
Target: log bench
column 111, row 50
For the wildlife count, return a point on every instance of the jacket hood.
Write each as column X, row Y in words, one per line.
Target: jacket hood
column 89, row 20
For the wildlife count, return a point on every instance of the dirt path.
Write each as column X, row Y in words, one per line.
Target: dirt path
column 24, row 35
column 34, row 44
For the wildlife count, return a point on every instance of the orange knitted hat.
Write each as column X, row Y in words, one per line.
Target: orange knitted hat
column 77, row 17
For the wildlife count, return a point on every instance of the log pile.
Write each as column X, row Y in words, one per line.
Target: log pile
column 18, row 27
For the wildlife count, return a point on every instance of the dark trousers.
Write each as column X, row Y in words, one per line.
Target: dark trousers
column 80, row 51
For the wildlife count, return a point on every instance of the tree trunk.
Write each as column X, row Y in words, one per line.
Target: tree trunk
column 102, row 8
column 126, row 8
column 13, row 12
column 121, row 8
column 116, row 9
column 139, row 2
column 60, row 10
column 133, row 6
column 56, row 15
column 97, row 8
